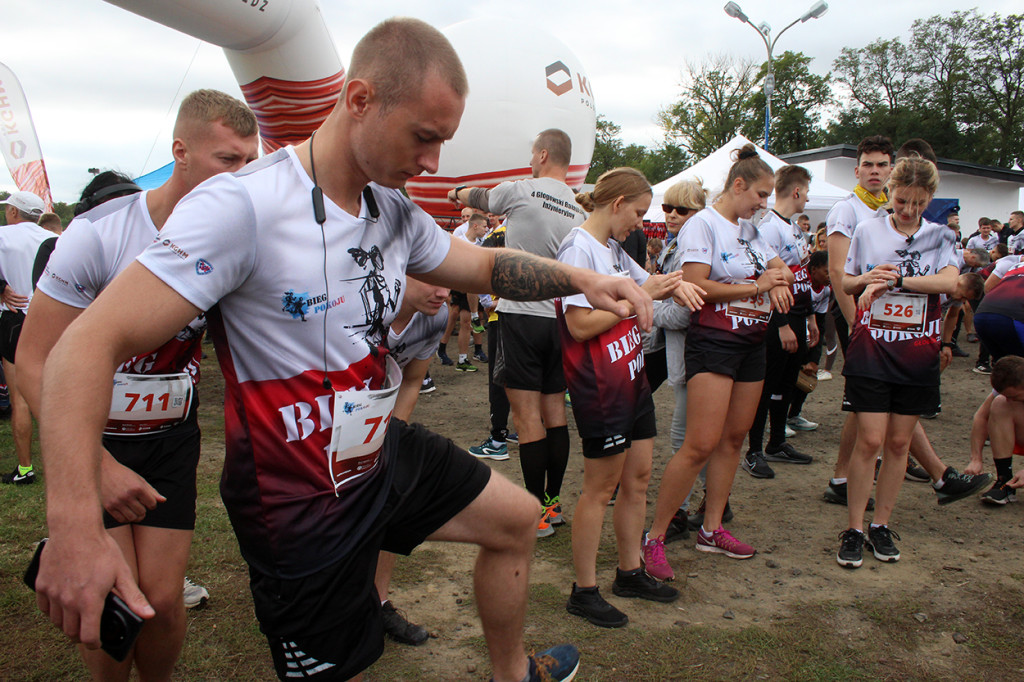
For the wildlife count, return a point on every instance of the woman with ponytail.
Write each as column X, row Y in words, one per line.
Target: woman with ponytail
column 745, row 280
column 611, row 398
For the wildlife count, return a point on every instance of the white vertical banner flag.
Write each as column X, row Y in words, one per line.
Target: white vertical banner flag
column 18, row 139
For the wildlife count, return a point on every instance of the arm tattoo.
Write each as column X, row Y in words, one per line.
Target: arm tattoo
column 520, row 276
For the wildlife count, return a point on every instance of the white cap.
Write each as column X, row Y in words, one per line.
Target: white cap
column 26, row 202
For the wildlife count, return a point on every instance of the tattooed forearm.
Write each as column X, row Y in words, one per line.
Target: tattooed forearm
column 520, row 276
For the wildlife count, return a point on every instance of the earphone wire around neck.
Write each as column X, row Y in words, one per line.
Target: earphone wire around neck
column 320, row 216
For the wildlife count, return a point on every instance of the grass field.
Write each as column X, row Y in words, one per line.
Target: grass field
column 912, row 633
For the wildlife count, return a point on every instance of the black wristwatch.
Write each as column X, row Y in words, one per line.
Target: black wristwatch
column 947, row 344
column 457, row 190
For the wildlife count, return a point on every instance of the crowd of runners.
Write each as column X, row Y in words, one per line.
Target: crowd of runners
column 328, row 293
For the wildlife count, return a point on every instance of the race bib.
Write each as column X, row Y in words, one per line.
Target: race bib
column 360, row 423
column 143, row 404
column 755, row 307
column 899, row 312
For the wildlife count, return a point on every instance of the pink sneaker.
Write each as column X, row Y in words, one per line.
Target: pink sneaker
column 654, row 558
column 721, row 541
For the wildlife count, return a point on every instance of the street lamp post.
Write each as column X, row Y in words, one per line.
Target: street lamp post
column 765, row 31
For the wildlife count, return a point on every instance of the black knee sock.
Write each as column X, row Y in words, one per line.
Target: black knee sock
column 755, row 437
column 1004, row 468
column 777, row 410
column 533, row 459
column 558, row 459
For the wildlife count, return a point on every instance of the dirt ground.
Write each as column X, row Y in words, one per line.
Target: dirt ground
column 953, row 557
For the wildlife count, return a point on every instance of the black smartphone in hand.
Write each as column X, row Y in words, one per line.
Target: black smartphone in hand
column 119, row 625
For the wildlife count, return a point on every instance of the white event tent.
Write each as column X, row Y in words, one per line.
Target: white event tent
column 714, row 168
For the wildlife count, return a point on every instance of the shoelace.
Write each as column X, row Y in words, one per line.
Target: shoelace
column 656, row 547
column 886, row 534
column 543, row 664
column 851, row 539
column 724, row 538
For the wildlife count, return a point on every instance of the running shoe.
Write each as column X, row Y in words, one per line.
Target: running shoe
column 638, row 584
column 881, row 545
column 428, row 385
column 544, row 528
column 916, row 473
column 930, row 415
column 400, row 628
column 836, row 494
column 788, row 455
column 678, row 527
column 753, row 463
column 481, row 356
column 512, row 437
column 972, row 337
column 654, row 558
column 18, row 478
column 445, row 360
column 195, row 595
column 475, row 325
column 1000, row 493
column 959, row 352
column 488, row 450
column 824, row 375
column 851, row 546
column 788, row 432
column 697, row 520
column 589, row 604
column 466, row 366
column 721, row 541
column 554, row 507
column 956, row 486
column 557, row 664
column 982, row 368
column 801, row 424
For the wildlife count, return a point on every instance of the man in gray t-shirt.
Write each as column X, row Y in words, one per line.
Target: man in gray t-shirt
column 540, row 211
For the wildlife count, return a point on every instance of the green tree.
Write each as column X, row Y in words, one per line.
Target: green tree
column 610, row 152
column 711, row 110
column 799, row 101
column 997, row 83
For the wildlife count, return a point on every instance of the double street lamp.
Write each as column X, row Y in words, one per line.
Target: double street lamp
column 765, row 31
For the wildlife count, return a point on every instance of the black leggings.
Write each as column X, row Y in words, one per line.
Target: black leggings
column 779, row 384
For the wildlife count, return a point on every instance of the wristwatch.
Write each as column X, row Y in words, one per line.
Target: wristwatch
column 890, row 284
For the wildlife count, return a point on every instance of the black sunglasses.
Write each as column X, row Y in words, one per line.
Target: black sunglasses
column 681, row 210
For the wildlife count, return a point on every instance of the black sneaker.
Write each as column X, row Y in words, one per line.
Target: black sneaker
column 17, row 478
column 399, row 628
column 639, row 584
column 959, row 352
column 916, row 473
column 753, row 463
column 787, row 453
column 678, row 527
column 881, row 545
column 851, row 547
column 956, row 486
column 1000, row 493
column 697, row 520
column 836, row 494
column 591, row 605
column 445, row 360
column 982, row 368
column 481, row 356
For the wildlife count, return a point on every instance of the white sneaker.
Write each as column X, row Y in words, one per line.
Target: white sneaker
column 800, row 424
column 195, row 595
column 824, row 375
column 789, row 432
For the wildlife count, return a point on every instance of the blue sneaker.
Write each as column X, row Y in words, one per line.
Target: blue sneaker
column 512, row 437
column 488, row 450
column 559, row 663
column 445, row 360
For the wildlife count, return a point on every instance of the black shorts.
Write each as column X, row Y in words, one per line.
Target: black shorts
column 460, row 300
column 644, row 427
column 168, row 463
column 531, row 353
column 10, row 330
column 328, row 625
column 740, row 364
column 863, row 394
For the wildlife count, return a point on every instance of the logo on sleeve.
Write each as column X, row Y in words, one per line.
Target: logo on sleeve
column 203, row 267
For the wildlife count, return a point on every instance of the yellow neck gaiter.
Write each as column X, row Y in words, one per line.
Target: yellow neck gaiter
column 873, row 202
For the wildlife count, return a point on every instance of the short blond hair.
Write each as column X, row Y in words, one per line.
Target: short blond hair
column 687, row 193
column 625, row 182
column 396, row 56
column 208, row 106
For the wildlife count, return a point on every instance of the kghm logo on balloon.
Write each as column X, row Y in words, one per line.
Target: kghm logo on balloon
column 559, row 79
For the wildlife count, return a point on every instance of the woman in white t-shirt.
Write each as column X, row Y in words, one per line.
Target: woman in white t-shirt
column 897, row 267
column 603, row 360
column 725, row 363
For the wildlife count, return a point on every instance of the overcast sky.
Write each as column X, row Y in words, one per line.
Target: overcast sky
column 102, row 82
